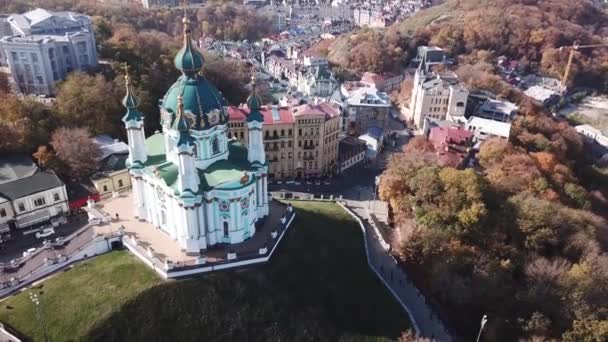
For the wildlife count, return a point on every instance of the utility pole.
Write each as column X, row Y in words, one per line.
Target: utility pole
column 484, row 320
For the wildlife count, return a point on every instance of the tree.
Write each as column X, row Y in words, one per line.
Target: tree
column 587, row 331
column 75, row 148
column 24, row 124
column 92, row 102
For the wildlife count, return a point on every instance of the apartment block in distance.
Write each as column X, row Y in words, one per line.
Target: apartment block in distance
column 46, row 46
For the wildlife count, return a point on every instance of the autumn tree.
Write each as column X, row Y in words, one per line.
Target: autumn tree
column 90, row 101
column 75, row 148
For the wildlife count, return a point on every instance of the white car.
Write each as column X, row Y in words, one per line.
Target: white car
column 28, row 252
column 46, row 232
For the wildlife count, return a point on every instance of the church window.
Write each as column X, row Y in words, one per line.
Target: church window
column 242, row 135
column 226, row 229
column 224, row 206
column 215, row 146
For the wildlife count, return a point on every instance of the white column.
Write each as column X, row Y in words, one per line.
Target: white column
column 209, row 213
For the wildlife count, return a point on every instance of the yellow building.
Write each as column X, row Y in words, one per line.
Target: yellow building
column 300, row 142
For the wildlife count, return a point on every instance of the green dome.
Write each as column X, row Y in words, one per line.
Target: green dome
column 188, row 59
column 200, row 99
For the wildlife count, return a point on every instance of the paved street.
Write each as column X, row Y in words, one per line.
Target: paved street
column 385, row 265
column 14, row 248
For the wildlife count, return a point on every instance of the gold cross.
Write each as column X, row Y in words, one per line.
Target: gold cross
column 126, row 68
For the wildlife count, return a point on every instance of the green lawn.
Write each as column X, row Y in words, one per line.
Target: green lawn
column 318, row 287
column 76, row 299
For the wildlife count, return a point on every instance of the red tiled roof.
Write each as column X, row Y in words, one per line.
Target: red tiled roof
column 371, row 77
column 322, row 108
column 238, row 114
column 450, row 135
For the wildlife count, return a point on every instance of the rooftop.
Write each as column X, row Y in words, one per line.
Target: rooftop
column 368, row 96
column 109, row 146
column 20, row 177
column 497, row 128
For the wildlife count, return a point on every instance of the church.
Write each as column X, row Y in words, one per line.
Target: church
column 192, row 182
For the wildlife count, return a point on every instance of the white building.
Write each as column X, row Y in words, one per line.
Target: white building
column 191, row 181
column 593, row 134
column 29, row 196
column 316, row 81
column 45, row 46
column 436, row 96
column 497, row 110
column 484, row 129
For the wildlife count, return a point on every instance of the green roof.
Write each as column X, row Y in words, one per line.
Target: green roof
column 155, row 146
column 199, row 98
column 225, row 174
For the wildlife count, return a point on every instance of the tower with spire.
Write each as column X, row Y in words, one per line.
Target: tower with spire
column 134, row 125
column 195, row 184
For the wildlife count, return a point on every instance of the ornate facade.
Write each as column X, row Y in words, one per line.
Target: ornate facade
column 191, row 181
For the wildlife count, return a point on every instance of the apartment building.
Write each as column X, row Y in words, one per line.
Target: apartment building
column 438, row 96
column 300, row 141
column 45, row 46
column 365, row 107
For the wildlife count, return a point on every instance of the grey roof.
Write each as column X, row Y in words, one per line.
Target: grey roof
column 20, row 177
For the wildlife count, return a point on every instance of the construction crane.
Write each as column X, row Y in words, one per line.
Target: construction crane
column 574, row 48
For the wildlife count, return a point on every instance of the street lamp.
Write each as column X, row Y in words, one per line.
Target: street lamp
column 36, row 302
column 484, row 320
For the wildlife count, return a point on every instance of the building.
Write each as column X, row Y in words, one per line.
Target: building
column 46, row 46
column 364, row 108
column 113, row 175
column 386, row 82
column 29, row 196
column 497, row 110
column 484, row 129
column 430, row 56
column 190, row 181
column 373, row 138
column 452, row 145
column 316, row 81
column 300, row 141
column 369, row 17
column 351, row 153
column 436, row 96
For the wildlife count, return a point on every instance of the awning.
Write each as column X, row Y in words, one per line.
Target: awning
column 33, row 218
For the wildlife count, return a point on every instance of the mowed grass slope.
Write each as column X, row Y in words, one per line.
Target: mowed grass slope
column 317, row 287
column 75, row 300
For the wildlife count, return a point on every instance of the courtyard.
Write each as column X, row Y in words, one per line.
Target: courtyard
column 166, row 248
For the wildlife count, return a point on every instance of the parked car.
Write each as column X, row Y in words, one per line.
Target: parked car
column 29, row 252
column 46, row 232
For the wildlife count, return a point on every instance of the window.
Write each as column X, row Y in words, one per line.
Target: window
column 242, row 135
column 105, row 188
column 282, row 144
column 299, row 132
column 289, row 144
column 56, row 197
column 282, row 132
column 289, row 155
column 14, row 56
column 289, row 132
column 226, row 229
column 299, row 143
column 2, row 212
column 215, row 146
column 120, row 185
column 34, row 57
column 39, row 201
column 21, row 207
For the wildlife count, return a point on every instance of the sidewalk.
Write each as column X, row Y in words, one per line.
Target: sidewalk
column 426, row 322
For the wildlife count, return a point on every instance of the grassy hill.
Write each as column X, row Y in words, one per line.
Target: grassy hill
column 318, row 287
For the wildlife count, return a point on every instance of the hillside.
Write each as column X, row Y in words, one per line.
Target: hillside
column 475, row 31
column 318, row 287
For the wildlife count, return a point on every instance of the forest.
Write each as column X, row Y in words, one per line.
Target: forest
column 472, row 31
column 521, row 238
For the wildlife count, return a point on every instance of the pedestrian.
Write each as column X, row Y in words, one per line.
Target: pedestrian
column 116, row 216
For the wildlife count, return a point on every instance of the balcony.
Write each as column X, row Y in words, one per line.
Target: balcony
column 309, row 147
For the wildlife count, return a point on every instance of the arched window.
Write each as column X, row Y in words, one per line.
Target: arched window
column 460, row 104
column 215, row 146
column 226, row 230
